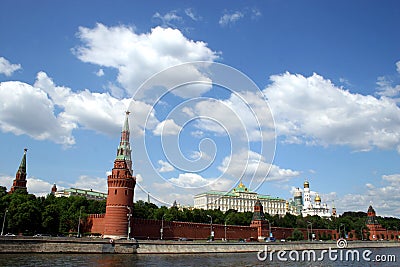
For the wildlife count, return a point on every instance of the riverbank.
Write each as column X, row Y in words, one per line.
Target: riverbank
column 107, row 246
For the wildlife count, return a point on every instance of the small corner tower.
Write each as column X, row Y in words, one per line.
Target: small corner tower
column 121, row 184
column 259, row 221
column 20, row 177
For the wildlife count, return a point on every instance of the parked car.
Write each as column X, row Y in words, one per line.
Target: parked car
column 9, row 234
column 270, row 239
column 42, row 235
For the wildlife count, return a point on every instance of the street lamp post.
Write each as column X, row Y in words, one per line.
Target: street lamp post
column 310, row 237
column 225, row 230
column 79, row 222
column 269, row 228
column 129, row 222
column 162, row 226
column 362, row 235
column 4, row 220
column 211, row 227
column 344, row 229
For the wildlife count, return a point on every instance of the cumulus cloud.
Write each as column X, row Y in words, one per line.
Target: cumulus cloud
column 167, row 127
column 89, row 182
column 139, row 56
column 38, row 187
column 312, row 110
column 100, row 73
column 244, row 114
column 58, row 111
column 26, row 109
column 385, row 198
column 254, row 169
column 165, row 166
column 34, row 185
column 7, row 68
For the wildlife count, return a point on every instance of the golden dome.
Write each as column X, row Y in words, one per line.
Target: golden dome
column 306, row 184
column 317, row 198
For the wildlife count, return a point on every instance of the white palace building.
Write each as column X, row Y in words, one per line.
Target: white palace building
column 240, row 199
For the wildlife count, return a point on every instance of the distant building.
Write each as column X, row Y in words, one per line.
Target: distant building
column 88, row 194
column 306, row 207
column 20, row 177
column 240, row 199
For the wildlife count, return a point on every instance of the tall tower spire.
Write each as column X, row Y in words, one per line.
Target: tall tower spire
column 124, row 148
column 20, row 177
column 121, row 185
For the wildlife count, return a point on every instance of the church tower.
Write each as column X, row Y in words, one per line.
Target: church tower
column 121, row 185
column 20, row 177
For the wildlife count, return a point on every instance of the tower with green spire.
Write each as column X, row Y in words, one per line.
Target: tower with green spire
column 20, row 177
column 121, row 185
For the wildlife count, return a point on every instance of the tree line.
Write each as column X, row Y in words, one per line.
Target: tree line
column 29, row 215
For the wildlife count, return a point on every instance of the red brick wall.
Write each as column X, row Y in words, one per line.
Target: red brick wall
column 95, row 223
column 143, row 229
column 150, row 229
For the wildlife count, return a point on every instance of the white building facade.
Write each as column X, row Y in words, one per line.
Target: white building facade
column 240, row 199
column 316, row 208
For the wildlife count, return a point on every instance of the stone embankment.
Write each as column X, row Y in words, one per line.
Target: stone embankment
column 87, row 245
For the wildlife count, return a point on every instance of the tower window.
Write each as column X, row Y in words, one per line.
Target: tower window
column 115, row 192
column 126, row 192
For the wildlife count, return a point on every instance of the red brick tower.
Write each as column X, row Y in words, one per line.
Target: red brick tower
column 259, row 221
column 20, row 177
column 121, row 185
column 375, row 229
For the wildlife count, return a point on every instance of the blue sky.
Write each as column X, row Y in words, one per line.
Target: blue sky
column 330, row 72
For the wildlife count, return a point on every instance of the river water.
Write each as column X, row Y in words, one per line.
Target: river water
column 391, row 256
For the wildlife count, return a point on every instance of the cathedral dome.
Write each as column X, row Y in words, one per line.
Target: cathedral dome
column 317, row 198
column 306, row 184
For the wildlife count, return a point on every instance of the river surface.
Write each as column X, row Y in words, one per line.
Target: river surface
column 390, row 255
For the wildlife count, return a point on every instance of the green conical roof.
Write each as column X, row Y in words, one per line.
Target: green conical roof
column 22, row 165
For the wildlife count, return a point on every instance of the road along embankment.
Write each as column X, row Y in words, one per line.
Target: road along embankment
column 88, row 245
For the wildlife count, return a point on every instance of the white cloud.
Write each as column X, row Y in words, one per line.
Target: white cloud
column 6, row 181
column 7, row 68
column 139, row 56
column 386, row 87
column 314, row 111
column 167, row 127
column 34, row 186
column 253, row 169
column 190, row 12
column 97, row 111
column 168, row 18
column 384, row 198
column 100, row 73
column 245, row 115
column 25, row 109
column 38, row 187
column 230, row 18
column 165, row 166
column 45, row 111
column 88, row 182
column 190, row 180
